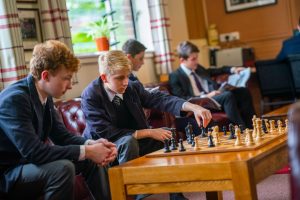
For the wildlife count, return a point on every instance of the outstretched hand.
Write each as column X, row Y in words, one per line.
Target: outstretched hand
column 199, row 113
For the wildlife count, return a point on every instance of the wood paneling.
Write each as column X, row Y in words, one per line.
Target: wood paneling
column 195, row 19
column 263, row 28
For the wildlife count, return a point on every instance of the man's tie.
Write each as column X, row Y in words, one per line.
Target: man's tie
column 198, row 84
column 117, row 100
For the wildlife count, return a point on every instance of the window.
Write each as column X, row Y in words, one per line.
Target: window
column 82, row 12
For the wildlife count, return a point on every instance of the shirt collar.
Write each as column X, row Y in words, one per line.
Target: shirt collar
column 111, row 94
column 42, row 100
column 186, row 70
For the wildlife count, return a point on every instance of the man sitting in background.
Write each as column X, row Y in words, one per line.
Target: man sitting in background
column 31, row 167
column 135, row 52
column 113, row 108
column 193, row 80
column 290, row 46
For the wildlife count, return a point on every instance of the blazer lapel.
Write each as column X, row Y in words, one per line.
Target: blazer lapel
column 37, row 106
column 133, row 108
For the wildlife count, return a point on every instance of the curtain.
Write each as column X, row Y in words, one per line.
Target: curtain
column 55, row 23
column 12, row 60
column 159, row 28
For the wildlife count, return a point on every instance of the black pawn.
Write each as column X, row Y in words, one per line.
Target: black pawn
column 203, row 134
column 224, row 130
column 232, row 132
column 173, row 144
column 210, row 141
column 167, row 148
column 181, row 147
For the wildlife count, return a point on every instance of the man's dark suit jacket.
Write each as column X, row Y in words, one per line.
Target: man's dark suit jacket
column 25, row 125
column 289, row 47
column 180, row 83
column 101, row 116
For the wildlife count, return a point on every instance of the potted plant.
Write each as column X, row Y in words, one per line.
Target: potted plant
column 100, row 32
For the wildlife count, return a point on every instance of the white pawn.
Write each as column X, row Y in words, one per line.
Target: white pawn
column 197, row 145
column 238, row 141
column 250, row 140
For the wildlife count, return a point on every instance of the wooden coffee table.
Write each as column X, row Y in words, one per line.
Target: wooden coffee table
column 237, row 171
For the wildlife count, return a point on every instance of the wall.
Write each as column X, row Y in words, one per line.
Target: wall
column 262, row 28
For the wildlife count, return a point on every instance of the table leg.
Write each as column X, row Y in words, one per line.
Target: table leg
column 214, row 195
column 117, row 187
column 244, row 186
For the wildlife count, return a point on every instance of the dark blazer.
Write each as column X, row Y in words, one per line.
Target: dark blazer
column 289, row 47
column 101, row 117
column 180, row 83
column 25, row 125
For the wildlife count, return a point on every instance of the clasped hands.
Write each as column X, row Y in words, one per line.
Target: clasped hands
column 101, row 151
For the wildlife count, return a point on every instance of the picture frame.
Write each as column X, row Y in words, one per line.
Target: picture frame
column 26, row 1
column 30, row 27
column 237, row 5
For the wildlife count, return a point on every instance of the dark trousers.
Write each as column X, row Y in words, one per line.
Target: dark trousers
column 237, row 105
column 54, row 180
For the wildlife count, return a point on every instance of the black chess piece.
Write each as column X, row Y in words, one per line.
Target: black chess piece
column 189, row 132
column 173, row 144
column 264, row 127
column 181, row 147
column 232, row 132
column 193, row 140
column 167, row 147
column 241, row 128
column 203, row 134
column 173, row 132
column 224, row 130
column 210, row 141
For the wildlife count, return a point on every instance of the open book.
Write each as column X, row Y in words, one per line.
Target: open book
column 206, row 102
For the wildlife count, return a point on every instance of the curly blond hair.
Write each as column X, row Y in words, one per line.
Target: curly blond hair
column 113, row 61
column 52, row 55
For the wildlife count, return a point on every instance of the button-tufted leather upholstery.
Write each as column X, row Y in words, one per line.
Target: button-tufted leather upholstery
column 72, row 115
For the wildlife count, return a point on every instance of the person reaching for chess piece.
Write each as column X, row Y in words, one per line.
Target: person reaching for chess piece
column 126, row 125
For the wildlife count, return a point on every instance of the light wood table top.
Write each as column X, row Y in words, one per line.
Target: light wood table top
column 237, row 171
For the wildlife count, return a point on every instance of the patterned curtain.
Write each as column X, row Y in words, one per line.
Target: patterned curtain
column 55, row 23
column 159, row 28
column 12, row 60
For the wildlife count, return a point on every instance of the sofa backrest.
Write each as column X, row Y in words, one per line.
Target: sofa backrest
column 72, row 115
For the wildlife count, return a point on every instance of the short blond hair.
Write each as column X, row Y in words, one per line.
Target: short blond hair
column 113, row 61
column 52, row 55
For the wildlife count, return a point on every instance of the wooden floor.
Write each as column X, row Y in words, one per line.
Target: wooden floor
column 275, row 187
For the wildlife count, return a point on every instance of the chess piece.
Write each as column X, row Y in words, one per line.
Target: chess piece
column 254, row 126
column 193, row 140
column 232, row 134
column 267, row 125
column 286, row 125
column 173, row 144
column 241, row 128
column 258, row 137
column 279, row 127
column 249, row 136
column 216, row 138
column 203, row 134
column 167, row 148
column 173, row 132
column 210, row 140
column 188, row 132
column 272, row 127
column 224, row 130
column 238, row 141
column 197, row 145
column 181, row 147
column 264, row 125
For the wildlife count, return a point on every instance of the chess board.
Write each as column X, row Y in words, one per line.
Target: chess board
column 227, row 145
